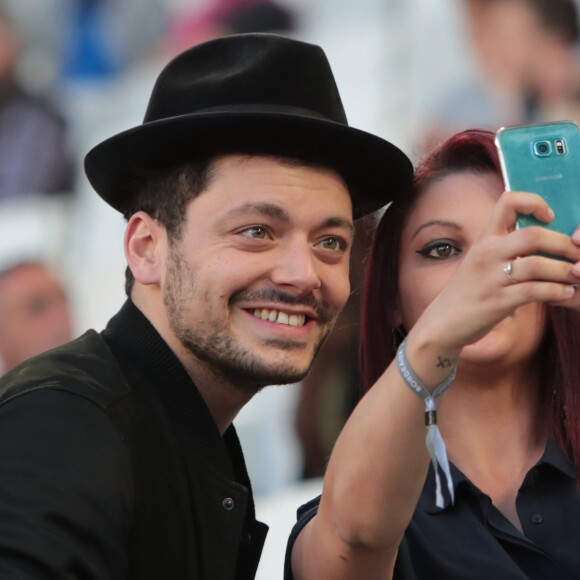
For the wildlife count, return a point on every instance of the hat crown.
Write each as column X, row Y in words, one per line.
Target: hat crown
column 247, row 70
column 253, row 94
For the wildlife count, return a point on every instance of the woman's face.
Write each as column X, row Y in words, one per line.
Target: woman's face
column 445, row 222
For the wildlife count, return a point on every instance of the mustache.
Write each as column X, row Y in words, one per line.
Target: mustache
column 324, row 312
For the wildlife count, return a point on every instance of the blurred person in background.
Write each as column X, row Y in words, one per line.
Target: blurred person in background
column 221, row 17
column 35, row 156
column 554, row 69
column 85, row 41
column 34, row 313
column 524, row 65
column 82, row 55
column 102, row 39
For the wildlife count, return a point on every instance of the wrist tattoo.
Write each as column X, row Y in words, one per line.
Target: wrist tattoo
column 444, row 363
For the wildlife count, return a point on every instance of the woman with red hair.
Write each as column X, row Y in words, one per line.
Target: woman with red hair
column 457, row 297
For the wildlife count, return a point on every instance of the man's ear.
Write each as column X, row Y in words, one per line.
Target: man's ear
column 144, row 240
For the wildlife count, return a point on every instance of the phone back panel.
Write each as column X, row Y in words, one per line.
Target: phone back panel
column 532, row 159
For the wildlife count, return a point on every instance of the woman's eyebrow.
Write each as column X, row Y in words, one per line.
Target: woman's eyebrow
column 431, row 223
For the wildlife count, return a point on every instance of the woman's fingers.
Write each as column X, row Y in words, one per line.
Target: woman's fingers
column 531, row 239
column 539, row 279
column 534, row 291
column 539, row 268
column 512, row 203
column 572, row 301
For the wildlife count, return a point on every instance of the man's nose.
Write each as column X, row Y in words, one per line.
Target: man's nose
column 297, row 269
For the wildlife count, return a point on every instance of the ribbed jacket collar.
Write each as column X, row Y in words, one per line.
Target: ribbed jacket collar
column 133, row 338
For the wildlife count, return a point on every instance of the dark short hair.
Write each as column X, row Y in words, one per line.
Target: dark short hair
column 164, row 194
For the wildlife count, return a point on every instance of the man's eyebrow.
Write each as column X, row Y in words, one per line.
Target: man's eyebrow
column 431, row 223
column 273, row 210
column 338, row 222
column 263, row 208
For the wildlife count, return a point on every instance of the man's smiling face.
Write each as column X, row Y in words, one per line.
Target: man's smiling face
column 258, row 276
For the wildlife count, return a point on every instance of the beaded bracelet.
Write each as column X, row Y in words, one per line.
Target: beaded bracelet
column 434, row 441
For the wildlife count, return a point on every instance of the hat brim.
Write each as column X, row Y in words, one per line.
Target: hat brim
column 375, row 171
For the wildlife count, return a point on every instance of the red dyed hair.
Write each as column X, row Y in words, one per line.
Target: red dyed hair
column 472, row 150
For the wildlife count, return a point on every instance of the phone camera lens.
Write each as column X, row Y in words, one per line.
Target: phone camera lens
column 542, row 148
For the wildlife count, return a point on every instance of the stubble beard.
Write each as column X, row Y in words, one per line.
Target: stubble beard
column 219, row 351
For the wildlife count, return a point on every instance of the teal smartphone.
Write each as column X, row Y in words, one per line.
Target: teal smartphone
column 544, row 159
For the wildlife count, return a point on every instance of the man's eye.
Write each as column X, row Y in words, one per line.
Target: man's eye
column 333, row 243
column 439, row 250
column 255, row 232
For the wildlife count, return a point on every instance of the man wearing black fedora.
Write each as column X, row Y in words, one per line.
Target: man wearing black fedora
column 118, row 457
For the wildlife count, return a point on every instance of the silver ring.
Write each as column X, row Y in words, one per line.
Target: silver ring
column 508, row 269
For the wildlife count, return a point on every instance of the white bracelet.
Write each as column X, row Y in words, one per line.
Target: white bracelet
column 434, row 441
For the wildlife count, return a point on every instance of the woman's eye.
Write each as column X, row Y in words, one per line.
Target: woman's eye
column 439, row 250
column 255, row 232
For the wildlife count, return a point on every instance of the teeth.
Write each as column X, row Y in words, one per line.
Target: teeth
column 280, row 317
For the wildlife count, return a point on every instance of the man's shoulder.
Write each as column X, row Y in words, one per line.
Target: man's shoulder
column 84, row 367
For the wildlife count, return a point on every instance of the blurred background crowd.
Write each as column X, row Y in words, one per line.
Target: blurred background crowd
column 73, row 72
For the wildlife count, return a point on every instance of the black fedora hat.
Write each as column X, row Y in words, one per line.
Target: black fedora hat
column 250, row 93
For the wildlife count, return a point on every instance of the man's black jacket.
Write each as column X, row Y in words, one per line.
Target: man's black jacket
column 111, row 467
